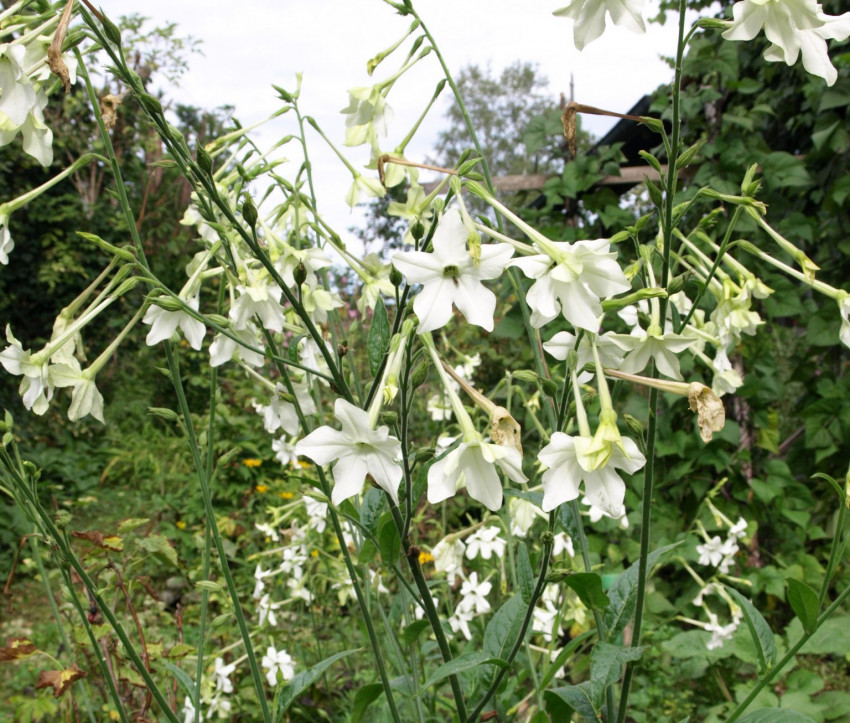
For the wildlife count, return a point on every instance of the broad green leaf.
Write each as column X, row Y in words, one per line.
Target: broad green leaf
column 363, row 699
column 567, row 521
column 503, row 629
column 159, row 545
column 564, row 653
column 459, row 665
column 183, row 677
column 606, row 665
column 389, row 541
column 759, row 630
column 131, row 524
column 370, row 509
column 623, row 593
column 579, row 698
column 804, row 602
column 293, row 688
column 774, row 715
column 379, row 335
column 413, row 631
column 525, row 575
column 588, row 587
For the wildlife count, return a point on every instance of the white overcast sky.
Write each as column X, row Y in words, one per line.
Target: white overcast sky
column 250, row 45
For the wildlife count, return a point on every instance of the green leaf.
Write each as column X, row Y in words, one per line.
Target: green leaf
column 588, row 587
column 379, row 335
column 759, row 630
column 606, row 666
column 413, row 631
column 564, row 653
column 781, row 169
column 159, row 546
column 373, row 504
column 131, row 524
column 804, row 602
column 389, row 541
column 182, row 676
column 363, row 699
column 293, row 688
column 459, row 664
column 623, row 593
column 577, row 697
column 525, row 575
column 774, row 715
column 503, row 629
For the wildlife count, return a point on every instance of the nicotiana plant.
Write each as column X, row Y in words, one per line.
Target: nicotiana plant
column 264, row 296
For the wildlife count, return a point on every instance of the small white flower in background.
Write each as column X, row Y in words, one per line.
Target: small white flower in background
column 719, row 633
column 6, row 243
column 792, row 27
column 610, row 353
column 523, row 515
column 268, row 531
column 288, row 259
column 712, row 552
column 419, row 611
column 595, row 514
column 589, row 17
column 344, row 591
column 739, row 529
column 298, row 589
column 284, row 452
column 376, row 582
column 448, row 556
column 165, row 323
column 844, row 309
column 563, row 543
column 485, row 542
column 450, row 276
column 189, row 711
column 643, row 345
column 266, row 610
column 439, row 408
column 259, row 575
column 367, row 115
column 259, row 298
column 474, row 595
column 472, row 463
column 317, row 302
column 36, row 388
column 275, row 661
column 218, row 705
column 375, row 278
column 294, row 558
column 222, row 675
column 460, row 622
column 546, row 613
column 280, row 414
column 356, row 451
column 317, row 511
column 223, row 349
column 570, row 279
column 85, row 398
column 371, row 187
column 709, row 589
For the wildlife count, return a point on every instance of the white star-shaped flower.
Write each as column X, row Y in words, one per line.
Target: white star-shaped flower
column 589, row 17
column 164, row 323
column 450, row 276
column 566, row 463
column 357, row 451
column 571, row 279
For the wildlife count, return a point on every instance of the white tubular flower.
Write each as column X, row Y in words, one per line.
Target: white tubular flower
column 791, row 26
column 222, row 675
column 275, row 661
column 6, row 242
column 563, row 543
column 448, row 556
column 523, row 515
column 460, row 622
column 474, row 595
column 844, row 309
column 644, row 345
column 85, row 399
column 450, row 276
column 570, row 280
column 603, row 487
column 280, row 414
column 317, row 511
column 367, row 115
column 223, row 349
column 261, row 298
column 471, row 464
column 372, row 187
column 17, row 95
column 589, row 17
column 266, row 608
column 486, row 542
column 36, row 388
column 357, row 451
column 165, row 323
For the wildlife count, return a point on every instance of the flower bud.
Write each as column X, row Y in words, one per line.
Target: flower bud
column 249, row 213
column 395, row 277
column 204, row 161
column 150, row 104
column 168, row 414
column 417, row 230
column 110, row 30
column 300, row 274
column 420, row 374
column 342, row 348
column 168, row 303
column 388, row 418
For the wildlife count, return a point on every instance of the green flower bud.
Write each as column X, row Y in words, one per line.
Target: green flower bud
column 300, row 274
column 395, row 277
column 150, row 104
column 249, row 213
column 417, row 230
column 204, row 161
column 342, row 348
column 420, row 374
column 168, row 414
column 110, row 30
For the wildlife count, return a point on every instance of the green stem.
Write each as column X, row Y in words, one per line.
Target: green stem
column 652, row 426
column 776, row 669
column 201, row 471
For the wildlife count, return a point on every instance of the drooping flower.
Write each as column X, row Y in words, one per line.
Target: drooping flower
column 589, row 17
column 367, row 115
column 275, row 661
column 357, row 450
column 472, row 463
column 791, row 26
column 164, row 324
column 450, row 276
column 570, row 279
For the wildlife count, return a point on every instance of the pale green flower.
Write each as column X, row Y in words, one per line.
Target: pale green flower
column 589, row 17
